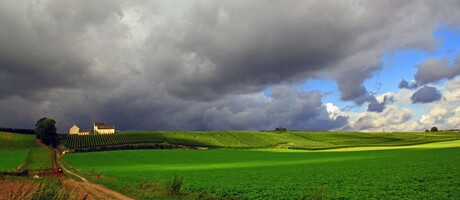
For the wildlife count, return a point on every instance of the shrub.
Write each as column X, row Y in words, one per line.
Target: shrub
column 174, row 187
column 434, row 129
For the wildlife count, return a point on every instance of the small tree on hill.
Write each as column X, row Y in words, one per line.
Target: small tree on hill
column 434, row 129
column 281, row 129
column 45, row 130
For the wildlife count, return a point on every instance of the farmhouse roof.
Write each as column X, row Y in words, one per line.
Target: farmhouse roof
column 106, row 127
column 99, row 123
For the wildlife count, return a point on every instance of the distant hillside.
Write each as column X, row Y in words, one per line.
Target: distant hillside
column 251, row 139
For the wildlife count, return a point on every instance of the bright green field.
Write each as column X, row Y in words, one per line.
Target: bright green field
column 18, row 149
column 429, row 171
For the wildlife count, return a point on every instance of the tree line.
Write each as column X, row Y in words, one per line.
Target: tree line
column 17, row 130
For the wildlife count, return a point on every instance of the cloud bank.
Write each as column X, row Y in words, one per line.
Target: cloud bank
column 201, row 65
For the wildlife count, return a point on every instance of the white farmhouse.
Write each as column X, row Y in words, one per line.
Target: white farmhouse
column 102, row 128
column 75, row 130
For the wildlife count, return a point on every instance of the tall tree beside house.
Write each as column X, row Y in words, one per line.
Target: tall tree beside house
column 45, row 130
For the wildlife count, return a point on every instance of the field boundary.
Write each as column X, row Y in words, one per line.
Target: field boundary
column 431, row 144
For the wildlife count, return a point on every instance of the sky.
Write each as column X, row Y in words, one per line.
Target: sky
column 351, row 65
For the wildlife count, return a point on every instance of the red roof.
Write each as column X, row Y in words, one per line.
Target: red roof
column 106, row 127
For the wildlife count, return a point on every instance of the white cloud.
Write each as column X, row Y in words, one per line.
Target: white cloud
column 446, row 113
column 334, row 111
column 390, row 119
column 398, row 116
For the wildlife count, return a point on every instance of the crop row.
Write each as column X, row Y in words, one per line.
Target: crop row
column 84, row 141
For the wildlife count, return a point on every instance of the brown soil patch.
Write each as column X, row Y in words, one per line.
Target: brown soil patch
column 20, row 190
column 17, row 189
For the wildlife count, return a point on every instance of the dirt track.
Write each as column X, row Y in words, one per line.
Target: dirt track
column 86, row 190
column 20, row 190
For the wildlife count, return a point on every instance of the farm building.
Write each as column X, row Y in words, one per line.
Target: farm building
column 102, row 128
column 76, row 130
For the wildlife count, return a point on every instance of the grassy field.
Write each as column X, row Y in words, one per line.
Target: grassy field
column 39, row 157
column 14, row 149
column 10, row 159
column 20, row 149
column 427, row 171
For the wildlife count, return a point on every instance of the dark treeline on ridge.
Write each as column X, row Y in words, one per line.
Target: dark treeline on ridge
column 17, row 130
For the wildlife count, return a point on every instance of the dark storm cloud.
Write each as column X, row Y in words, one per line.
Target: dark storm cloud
column 286, row 107
column 293, row 110
column 230, row 47
column 426, row 94
column 199, row 64
column 433, row 70
column 41, row 45
column 238, row 48
column 407, row 85
column 376, row 106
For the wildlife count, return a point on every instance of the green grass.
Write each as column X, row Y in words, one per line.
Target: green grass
column 425, row 172
column 10, row 159
column 14, row 149
column 10, row 141
column 21, row 149
column 39, row 157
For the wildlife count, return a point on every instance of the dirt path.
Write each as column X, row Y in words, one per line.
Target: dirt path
column 89, row 191
column 86, row 190
column 68, row 171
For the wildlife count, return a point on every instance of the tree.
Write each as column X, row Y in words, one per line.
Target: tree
column 280, row 129
column 45, row 130
column 434, row 129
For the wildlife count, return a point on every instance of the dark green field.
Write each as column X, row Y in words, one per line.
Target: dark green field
column 429, row 171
